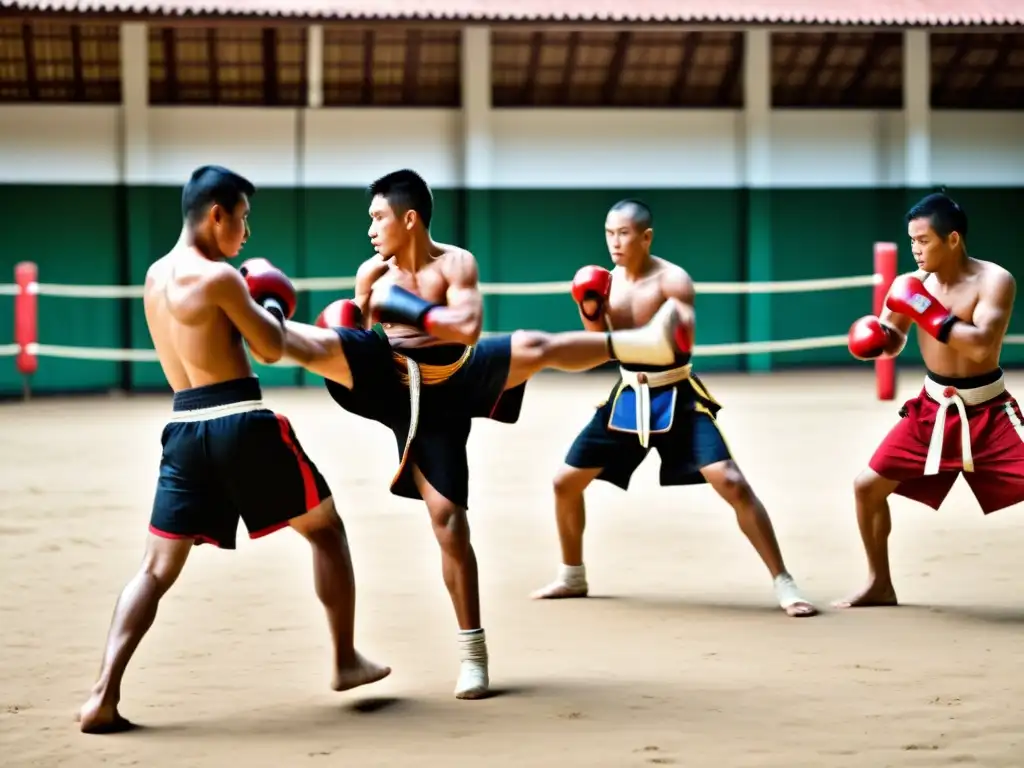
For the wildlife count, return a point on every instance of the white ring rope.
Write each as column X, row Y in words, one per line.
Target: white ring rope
column 488, row 289
column 493, row 289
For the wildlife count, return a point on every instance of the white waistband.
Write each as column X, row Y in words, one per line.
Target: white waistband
column 641, row 382
column 946, row 396
column 218, row 411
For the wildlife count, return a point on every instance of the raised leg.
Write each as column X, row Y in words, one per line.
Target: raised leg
column 730, row 483
column 533, row 351
column 872, row 492
column 571, row 518
column 134, row 613
column 659, row 342
column 335, row 587
column 458, row 566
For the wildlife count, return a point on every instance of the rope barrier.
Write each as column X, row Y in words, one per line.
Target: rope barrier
column 28, row 288
column 111, row 354
column 487, row 289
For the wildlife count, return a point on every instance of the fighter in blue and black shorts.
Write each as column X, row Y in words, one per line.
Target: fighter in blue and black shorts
column 687, row 439
column 227, row 457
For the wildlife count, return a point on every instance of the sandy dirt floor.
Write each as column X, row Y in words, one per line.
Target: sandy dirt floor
column 679, row 658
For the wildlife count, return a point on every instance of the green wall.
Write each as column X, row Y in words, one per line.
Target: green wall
column 106, row 235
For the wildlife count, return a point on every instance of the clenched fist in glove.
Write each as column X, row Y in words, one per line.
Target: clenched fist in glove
column 343, row 313
column 909, row 297
column 270, row 288
column 593, row 284
column 868, row 338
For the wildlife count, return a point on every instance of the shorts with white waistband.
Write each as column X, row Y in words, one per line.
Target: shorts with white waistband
column 693, row 442
column 996, row 444
column 227, row 457
column 447, row 407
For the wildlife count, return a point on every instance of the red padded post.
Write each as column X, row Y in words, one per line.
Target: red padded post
column 26, row 324
column 885, row 266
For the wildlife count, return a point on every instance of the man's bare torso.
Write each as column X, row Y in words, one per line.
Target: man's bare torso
column 196, row 343
column 430, row 282
column 961, row 299
column 633, row 303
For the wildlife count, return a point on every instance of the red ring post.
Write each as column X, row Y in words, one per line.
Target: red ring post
column 885, row 368
column 26, row 275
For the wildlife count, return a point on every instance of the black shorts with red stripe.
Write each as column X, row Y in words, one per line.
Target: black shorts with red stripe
column 227, row 457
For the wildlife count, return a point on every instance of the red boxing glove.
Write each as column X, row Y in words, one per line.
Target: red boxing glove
column 270, row 288
column 592, row 283
column 343, row 313
column 909, row 297
column 868, row 338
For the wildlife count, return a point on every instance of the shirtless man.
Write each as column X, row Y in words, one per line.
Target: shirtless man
column 424, row 372
column 225, row 455
column 664, row 407
column 962, row 308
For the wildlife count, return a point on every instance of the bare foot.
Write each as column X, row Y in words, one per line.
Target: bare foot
column 98, row 717
column 358, row 672
column 875, row 594
column 800, row 610
column 558, row 590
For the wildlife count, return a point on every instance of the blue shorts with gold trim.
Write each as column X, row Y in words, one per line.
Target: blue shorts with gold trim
column 684, row 432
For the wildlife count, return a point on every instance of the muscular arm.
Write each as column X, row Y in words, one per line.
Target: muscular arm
column 979, row 338
column 369, row 272
column 678, row 286
column 318, row 350
column 462, row 319
column 260, row 329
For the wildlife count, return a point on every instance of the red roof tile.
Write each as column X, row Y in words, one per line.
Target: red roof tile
column 828, row 12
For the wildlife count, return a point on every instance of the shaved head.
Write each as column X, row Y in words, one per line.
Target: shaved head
column 636, row 211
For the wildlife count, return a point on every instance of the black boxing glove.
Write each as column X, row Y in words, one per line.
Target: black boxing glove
column 393, row 304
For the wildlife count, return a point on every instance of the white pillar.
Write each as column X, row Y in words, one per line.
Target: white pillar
column 315, row 66
column 757, row 177
column 134, row 103
column 917, row 108
column 757, row 109
column 476, row 107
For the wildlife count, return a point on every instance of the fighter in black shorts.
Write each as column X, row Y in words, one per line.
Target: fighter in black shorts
column 225, row 455
column 425, row 373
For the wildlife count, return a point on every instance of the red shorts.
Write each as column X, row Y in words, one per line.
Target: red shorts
column 997, row 445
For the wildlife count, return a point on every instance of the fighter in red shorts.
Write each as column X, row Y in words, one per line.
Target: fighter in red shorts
column 962, row 308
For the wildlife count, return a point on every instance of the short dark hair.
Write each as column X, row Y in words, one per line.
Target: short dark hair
column 942, row 212
column 211, row 184
column 406, row 190
column 637, row 210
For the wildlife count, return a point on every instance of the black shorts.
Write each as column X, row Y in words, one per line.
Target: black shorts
column 446, row 409
column 225, row 457
column 695, row 441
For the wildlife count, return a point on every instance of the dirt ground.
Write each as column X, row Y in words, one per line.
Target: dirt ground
column 679, row 658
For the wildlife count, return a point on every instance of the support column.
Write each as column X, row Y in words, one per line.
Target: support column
column 476, row 160
column 917, row 110
column 756, row 154
column 133, row 192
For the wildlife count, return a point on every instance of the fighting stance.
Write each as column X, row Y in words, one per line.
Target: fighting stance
column 423, row 371
column 962, row 308
column 225, row 455
column 664, row 407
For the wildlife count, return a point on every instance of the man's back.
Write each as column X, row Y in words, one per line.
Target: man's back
column 194, row 339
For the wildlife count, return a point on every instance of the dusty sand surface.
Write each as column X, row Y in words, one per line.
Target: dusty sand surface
column 679, row 658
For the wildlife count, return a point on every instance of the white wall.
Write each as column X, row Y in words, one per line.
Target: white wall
column 529, row 148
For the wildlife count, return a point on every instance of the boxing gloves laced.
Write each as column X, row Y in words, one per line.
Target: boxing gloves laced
column 270, row 288
column 908, row 296
column 870, row 338
column 592, row 283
